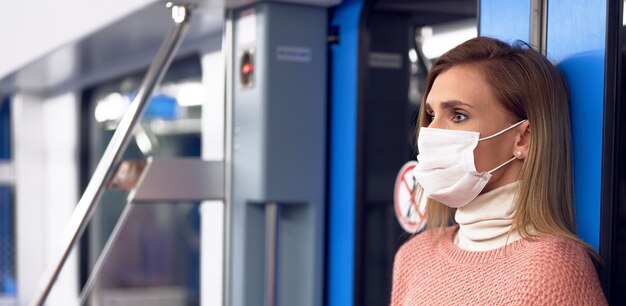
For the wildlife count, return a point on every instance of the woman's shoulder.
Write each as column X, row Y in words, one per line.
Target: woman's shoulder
column 559, row 268
column 553, row 249
column 554, row 255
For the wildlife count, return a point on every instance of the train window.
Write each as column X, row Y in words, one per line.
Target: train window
column 156, row 255
column 430, row 42
column 403, row 39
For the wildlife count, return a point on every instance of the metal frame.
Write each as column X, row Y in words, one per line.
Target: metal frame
column 115, row 149
column 7, row 173
column 611, row 200
column 228, row 153
column 538, row 24
column 272, row 215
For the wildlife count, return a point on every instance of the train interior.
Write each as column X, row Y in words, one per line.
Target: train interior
column 221, row 191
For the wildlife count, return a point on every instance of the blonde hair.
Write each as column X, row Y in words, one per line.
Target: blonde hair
column 528, row 86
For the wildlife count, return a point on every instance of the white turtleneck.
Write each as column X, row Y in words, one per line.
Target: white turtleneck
column 485, row 222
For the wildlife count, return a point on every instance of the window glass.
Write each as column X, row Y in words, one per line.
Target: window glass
column 156, row 255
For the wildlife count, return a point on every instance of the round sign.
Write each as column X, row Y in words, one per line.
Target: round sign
column 409, row 213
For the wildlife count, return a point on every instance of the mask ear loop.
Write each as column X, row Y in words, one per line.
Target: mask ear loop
column 498, row 134
column 502, row 132
column 504, row 164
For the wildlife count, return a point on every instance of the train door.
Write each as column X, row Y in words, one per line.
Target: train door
column 374, row 104
column 400, row 46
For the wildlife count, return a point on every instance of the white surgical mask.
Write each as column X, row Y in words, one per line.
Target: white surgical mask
column 446, row 169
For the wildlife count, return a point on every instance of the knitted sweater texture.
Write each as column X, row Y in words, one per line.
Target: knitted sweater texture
column 546, row 270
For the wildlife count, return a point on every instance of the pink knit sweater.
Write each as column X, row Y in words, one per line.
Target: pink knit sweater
column 547, row 270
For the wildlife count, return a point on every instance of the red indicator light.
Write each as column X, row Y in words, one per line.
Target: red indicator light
column 247, row 68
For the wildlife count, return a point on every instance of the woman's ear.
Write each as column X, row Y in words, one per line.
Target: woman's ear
column 522, row 140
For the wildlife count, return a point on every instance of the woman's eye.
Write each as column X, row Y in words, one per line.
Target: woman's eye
column 458, row 117
column 430, row 117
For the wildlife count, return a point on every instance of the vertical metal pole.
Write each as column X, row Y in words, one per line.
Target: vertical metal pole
column 95, row 272
column 227, row 50
column 115, row 149
column 538, row 24
column 272, row 215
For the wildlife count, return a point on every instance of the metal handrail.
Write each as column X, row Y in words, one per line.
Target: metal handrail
column 91, row 281
column 149, row 181
column 113, row 153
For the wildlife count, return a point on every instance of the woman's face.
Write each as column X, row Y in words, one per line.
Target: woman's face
column 461, row 99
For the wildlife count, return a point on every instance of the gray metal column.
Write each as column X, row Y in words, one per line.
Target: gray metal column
column 278, row 155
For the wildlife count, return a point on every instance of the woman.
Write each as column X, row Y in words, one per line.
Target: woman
column 495, row 158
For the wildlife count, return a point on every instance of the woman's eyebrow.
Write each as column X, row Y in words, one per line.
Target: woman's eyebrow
column 454, row 103
column 448, row 104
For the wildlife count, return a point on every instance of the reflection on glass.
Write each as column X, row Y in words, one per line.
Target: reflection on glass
column 438, row 39
column 431, row 41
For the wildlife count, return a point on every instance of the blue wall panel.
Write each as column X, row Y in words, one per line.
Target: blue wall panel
column 7, row 237
column 343, row 135
column 576, row 42
column 505, row 20
column 5, row 129
column 7, row 247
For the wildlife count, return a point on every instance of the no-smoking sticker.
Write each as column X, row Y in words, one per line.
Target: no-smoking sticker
column 409, row 213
